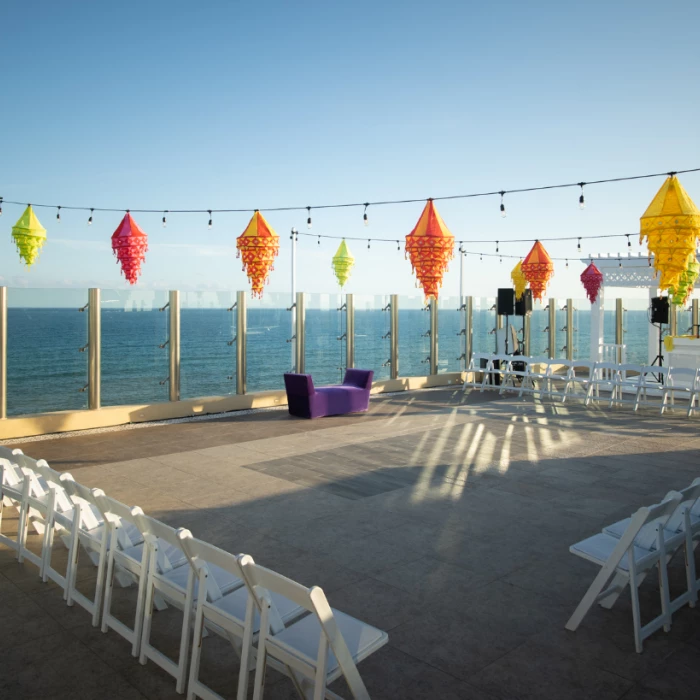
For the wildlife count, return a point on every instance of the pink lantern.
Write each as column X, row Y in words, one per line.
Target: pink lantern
column 130, row 244
column 592, row 279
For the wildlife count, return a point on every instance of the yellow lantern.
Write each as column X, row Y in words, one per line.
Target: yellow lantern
column 343, row 262
column 29, row 236
column 671, row 225
column 519, row 281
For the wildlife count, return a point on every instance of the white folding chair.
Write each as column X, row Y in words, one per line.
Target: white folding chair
column 578, row 376
column 679, row 531
column 680, row 381
column 473, row 369
column 128, row 562
column 320, row 647
column 621, row 381
column 604, row 377
column 627, row 560
column 537, row 370
column 11, row 495
column 227, row 614
column 492, row 371
column 650, row 382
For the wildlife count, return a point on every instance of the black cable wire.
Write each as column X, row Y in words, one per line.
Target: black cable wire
column 365, row 204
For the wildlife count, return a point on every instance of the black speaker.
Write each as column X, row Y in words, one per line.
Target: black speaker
column 659, row 310
column 523, row 306
column 506, row 302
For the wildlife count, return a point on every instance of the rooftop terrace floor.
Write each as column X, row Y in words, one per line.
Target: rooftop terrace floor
column 441, row 517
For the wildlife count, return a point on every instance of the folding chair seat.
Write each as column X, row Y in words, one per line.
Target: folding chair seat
column 650, row 383
column 680, row 381
column 621, row 381
column 578, row 374
column 492, row 371
column 627, row 560
column 318, row 648
column 537, row 370
column 516, row 369
column 227, row 614
column 473, row 369
column 127, row 562
column 605, row 376
column 179, row 586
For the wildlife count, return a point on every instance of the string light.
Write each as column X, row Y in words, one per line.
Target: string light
column 165, row 223
column 629, row 243
column 481, row 257
column 567, row 263
column 90, row 217
column 620, row 262
column 500, row 259
column 364, row 216
column 398, row 246
column 58, row 214
column 308, row 221
column 368, row 242
column 581, row 199
column 319, row 240
column 579, row 244
column 211, row 222
column 1, row 206
column 497, row 246
column 503, row 206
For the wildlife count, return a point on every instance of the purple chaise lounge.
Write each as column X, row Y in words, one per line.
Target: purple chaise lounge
column 349, row 397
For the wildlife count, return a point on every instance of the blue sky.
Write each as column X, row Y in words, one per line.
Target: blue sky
column 225, row 104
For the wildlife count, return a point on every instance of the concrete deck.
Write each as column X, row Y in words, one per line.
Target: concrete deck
column 440, row 517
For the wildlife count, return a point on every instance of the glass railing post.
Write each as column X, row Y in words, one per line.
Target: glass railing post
column 619, row 328
column 94, row 348
column 349, row 331
column 569, row 329
column 468, row 330
column 695, row 317
column 299, row 332
column 241, row 342
column 394, row 336
column 174, row 345
column 673, row 319
column 433, row 335
column 527, row 334
column 3, row 352
column 552, row 328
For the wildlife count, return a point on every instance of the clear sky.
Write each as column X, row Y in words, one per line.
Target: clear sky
column 203, row 105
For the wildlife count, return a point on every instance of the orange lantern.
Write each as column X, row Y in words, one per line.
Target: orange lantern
column 538, row 269
column 430, row 247
column 257, row 247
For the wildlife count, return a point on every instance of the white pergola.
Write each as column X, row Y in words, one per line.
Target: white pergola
column 635, row 272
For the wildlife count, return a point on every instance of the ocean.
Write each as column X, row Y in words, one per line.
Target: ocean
column 46, row 370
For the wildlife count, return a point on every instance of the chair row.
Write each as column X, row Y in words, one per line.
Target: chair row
column 270, row 620
column 628, row 550
column 584, row 380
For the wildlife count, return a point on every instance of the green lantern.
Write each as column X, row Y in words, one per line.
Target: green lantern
column 29, row 236
column 343, row 262
column 684, row 288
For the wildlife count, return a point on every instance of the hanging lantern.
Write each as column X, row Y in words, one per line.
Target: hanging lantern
column 538, row 269
column 671, row 225
column 29, row 236
column 343, row 262
column 592, row 279
column 430, row 247
column 257, row 247
column 519, row 281
column 681, row 293
column 130, row 244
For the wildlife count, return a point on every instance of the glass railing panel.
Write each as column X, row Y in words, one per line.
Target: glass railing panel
column 636, row 335
column 582, row 329
column 269, row 354
column 46, row 371
column 207, row 346
column 325, row 347
column 539, row 336
column 134, row 366
column 414, row 343
column 372, row 342
column 450, row 342
column 484, row 321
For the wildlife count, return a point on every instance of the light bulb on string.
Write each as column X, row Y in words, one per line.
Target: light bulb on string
column 619, row 262
column 398, row 246
column 58, row 214
column 319, row 240
column 368, row 242
column 211, row 222
column 500, row 259
column 308, row 220
column 364, row 216
column 90, row 217
column 581, row 199
column 579, row 245
column 1, row 199
column 165, row 223
column 567, row 264
column 497, row 246
column 629, row 243
column 503, row 206
column 481, row 257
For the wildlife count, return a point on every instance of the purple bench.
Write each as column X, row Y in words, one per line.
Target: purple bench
column 351, row 396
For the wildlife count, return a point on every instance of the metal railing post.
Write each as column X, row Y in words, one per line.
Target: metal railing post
column 349, row 331
column 468, row 330
column 695, row 317
column 394, row 337
column 569, row 329
column 241, row 342
column 3, row 352
column 94, row 349
column 174, row 345
column 673, row 319
column 527, row 330
column 552, row 328
column 299, row 332
column 433, row 335
column 619, row 327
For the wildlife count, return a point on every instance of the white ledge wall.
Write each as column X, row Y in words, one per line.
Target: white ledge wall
column 65, row 421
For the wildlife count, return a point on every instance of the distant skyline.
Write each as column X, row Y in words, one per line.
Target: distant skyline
column 171, row 105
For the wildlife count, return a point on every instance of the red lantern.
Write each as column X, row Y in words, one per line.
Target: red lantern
column 538, row 269
column 130, row 244
column 257, row 247
column 592, row 279
column 430, row 246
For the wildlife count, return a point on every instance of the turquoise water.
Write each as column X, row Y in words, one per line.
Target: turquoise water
column 46, row 371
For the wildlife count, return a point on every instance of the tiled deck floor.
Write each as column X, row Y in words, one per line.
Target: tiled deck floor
column 442, row 518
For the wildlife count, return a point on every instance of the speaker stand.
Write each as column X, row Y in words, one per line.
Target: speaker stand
column 659, row 359
column 507, row 329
